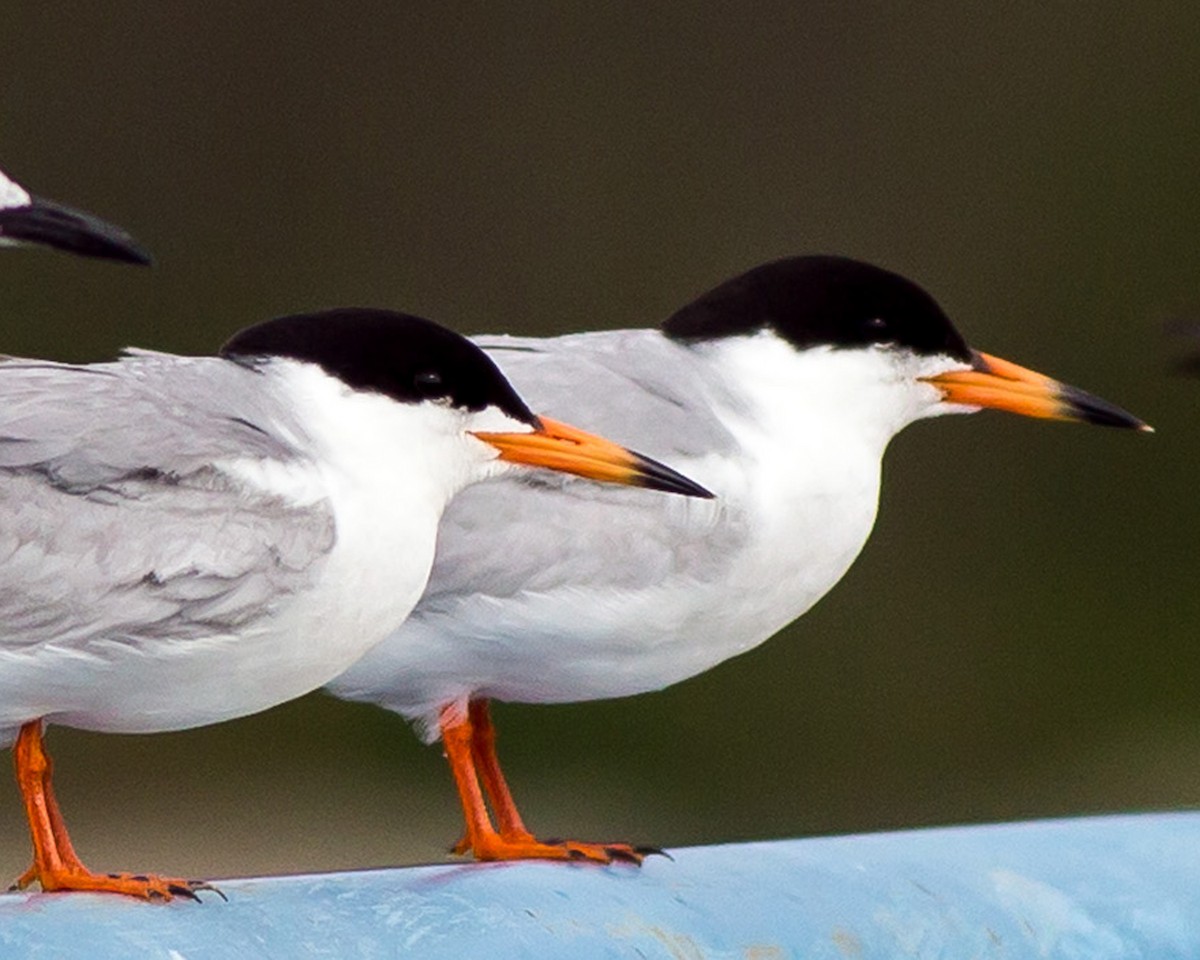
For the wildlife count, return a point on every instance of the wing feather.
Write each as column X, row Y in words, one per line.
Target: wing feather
column 539, row 532
column 117, row 521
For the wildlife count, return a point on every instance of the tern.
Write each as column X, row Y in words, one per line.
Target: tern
column 779, row 390
column 184, row 540
column 26, row 219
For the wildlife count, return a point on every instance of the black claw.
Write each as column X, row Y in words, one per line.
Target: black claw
column 648, row 851
column 113, row 876
column 14, row 888
column 553, row 842
column 179, row 890
column 624, row 856
column 193, row 887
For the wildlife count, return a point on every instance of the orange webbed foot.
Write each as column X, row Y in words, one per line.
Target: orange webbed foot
column 56, row 867
column 610, row 852
column 145, row 886
column 470, row 743
column 524, row 846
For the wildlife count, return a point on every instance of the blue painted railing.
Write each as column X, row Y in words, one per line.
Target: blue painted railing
column 1126, row 886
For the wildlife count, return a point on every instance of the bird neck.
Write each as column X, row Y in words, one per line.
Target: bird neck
column 376, row 454
column 816, row 406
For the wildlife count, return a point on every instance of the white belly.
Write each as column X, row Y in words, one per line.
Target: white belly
column 797, row 496
column 385, row 515
column 170, row 684
column 580, row 643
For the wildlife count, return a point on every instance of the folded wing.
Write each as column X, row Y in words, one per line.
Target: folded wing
column 121, row 519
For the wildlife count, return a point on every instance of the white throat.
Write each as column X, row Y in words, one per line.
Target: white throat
column 824, row 404
column 813, row 426
column 387, row 469
column 375, row 452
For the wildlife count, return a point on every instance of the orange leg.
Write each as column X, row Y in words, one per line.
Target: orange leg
column 55, row 863
column 483, row 749
column 30, row 756
column 487, row 765
column 471, row 749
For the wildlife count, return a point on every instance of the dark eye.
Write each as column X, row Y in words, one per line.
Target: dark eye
column 429, row 383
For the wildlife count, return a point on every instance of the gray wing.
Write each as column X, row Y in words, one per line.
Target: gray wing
column 633, row 386
column 544, row 530
column 117, row 519
column 86, row 425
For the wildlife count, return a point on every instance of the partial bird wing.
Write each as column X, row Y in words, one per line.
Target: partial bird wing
column 532, row 570
column 539, row 531
column 647, row 391
column 120, row 516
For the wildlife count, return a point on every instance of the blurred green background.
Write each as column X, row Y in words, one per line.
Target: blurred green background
column 1018, row 639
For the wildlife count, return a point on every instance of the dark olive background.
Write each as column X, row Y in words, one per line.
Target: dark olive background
column 1018, row 639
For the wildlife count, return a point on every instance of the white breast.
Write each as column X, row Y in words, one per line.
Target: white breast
column 804, row 486
column 387, row 470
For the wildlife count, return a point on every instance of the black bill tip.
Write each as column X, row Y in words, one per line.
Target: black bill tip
column 1089, row 408
column 657, row 476
column 63, row 228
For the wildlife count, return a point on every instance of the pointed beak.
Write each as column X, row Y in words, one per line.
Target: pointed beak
column 1001, row 385
column 63, row 228
column 559, row 446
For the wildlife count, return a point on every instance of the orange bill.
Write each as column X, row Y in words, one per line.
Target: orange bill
column 1001, row 385
column 559, row 446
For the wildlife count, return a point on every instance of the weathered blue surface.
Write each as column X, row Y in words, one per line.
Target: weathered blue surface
column 1092, row 888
